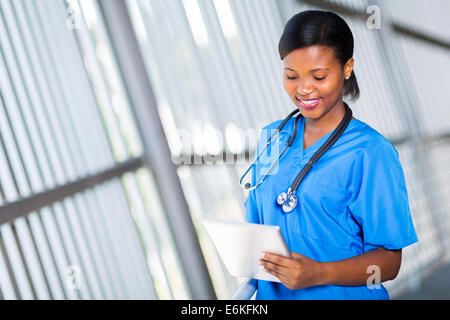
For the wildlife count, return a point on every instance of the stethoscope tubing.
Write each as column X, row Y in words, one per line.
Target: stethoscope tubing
column 288, row 200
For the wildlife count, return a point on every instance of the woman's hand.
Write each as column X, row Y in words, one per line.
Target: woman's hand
column 294, row 272
column 299, row 271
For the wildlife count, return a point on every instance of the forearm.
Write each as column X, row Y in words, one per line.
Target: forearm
column 354, row 271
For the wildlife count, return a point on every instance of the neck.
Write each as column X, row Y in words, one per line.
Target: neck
column 326, row 122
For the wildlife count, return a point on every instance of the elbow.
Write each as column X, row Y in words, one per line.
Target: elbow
column 395, row 257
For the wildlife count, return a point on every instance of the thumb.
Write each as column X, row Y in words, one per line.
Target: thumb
column 297, row 256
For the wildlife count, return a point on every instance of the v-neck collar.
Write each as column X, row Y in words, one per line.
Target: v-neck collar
column 301, row 154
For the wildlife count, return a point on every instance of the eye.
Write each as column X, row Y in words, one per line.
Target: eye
column 319, row 79
column 290, row 78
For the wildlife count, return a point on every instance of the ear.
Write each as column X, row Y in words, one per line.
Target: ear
column 348, row 67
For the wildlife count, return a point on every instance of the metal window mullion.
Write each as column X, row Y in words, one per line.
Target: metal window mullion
column 99, row 259
column 24, row 261
column 9, row 268
column 221, row 85
column 52, row 85
column 104, row 76
column 385, row 118
column 162, row 16
column 260, row 92
column 8, row 73
column 85, row 253
column 98, row 81
column 61, row 74
column 65, row 232
column 18, row 131
column 149, row 234
column 94, row 82
column 109, row 218
column 47, row 158
column 219, row 50
column 74, row 142
column 123, row 250
column 18, row 263
column 134, row 241
column 408, row 106
column 104, row 241
column 131, row 249
column 140, row 92
column 24, row 167
column 90, row 105
column 48, row 258
column 144, row 225
column 6, row 282
column 78, row 250
column 77, row 109
column 38, row 167
column 181, row 25
column 275, row 18
column 263, row 47
column 221, row 275
column 32, row 95
column 40, row 79
column 59, row 156
column 21, row 96
column 376, row 94
column 59, row 222
column 57, row 244
column 269, row 46
column 159, row 77
column 153, row 205
column 181, row 99
column 121, row 272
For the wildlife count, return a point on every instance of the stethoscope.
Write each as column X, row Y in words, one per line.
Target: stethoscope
column 288, row 200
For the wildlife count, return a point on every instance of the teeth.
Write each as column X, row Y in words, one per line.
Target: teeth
column 309, row 102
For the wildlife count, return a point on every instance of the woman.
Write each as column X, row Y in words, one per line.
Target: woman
column 352, row 217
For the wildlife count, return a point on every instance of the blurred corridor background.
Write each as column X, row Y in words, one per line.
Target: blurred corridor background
column 124, row 122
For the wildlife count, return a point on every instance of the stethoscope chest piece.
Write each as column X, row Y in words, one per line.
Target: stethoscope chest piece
column 287, row 201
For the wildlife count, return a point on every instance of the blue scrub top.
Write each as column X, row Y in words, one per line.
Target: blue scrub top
column 353, row 200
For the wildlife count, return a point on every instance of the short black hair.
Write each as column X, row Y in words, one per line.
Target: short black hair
column 323, row 28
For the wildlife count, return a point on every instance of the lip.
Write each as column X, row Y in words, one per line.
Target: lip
column 309, row 106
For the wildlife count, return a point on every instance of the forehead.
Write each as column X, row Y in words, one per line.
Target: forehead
column 309, row 58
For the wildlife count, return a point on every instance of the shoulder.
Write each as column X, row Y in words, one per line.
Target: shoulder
column 370, row 141
column 273, row 125
column 269, row 129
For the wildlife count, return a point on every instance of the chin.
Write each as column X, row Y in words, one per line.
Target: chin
column 311, row 113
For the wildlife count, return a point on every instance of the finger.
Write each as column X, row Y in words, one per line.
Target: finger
column 277, row 259
column 285, row 280
column 273, row 266
column 277, row 274
column 296, row 255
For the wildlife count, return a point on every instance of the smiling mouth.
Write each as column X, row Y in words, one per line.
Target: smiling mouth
column 310, row 103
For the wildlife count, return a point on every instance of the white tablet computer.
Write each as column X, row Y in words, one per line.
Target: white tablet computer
column 240, row 245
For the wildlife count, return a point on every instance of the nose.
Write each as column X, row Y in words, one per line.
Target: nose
column 304, row 88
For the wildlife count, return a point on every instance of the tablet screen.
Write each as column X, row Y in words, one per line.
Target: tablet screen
column 240, row 245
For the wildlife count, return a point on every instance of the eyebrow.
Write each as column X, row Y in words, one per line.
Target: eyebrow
column 317, row 69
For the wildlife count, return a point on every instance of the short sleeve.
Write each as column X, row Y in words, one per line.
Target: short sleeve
column 379, row 201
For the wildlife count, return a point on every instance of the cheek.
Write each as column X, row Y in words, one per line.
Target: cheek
column 290, row 86
column 331, row 87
